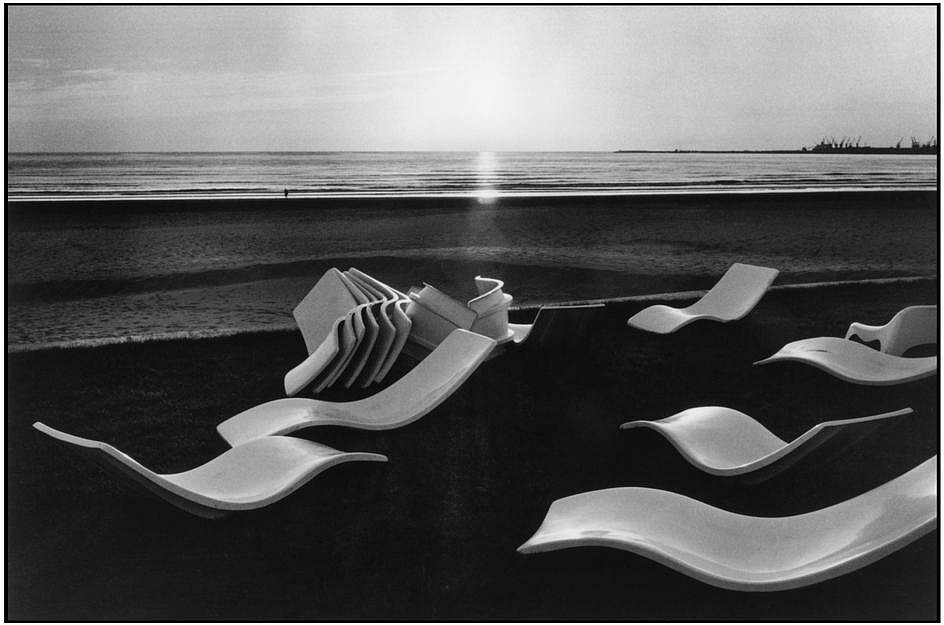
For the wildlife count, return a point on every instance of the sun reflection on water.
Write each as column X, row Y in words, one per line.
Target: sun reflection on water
column 485, row 167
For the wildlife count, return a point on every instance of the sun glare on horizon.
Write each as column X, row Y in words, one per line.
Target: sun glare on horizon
column 485, row 168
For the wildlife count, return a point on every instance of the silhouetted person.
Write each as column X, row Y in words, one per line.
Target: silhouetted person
column 286, row 193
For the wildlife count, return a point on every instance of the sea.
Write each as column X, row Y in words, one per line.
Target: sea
column 189, row 270
column 481, row 174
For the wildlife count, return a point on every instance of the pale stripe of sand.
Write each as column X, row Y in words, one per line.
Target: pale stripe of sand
column 222, row 332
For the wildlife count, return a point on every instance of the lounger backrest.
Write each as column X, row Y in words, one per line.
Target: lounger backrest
column 737, row 292
column 912, row 326
column 315, row 315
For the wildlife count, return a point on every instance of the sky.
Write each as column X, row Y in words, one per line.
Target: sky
column 208, row 78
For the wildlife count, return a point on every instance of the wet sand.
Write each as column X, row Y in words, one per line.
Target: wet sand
column 431, row 534
column 100, row 269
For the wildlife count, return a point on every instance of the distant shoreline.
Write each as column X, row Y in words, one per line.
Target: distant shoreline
column 875, row 151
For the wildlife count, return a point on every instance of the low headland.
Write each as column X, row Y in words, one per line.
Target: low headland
column 844, row 145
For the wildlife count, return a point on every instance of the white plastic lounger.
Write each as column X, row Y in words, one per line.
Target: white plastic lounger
column 365, row 346
column 394, row 326
column 247, row 477
column 386, row 335
column 403, row 324
column 742, row 552
column 426, row 386
column 375, row 327
column 361, row 296
column 735, row 295
column 910, row 327
column 319, row 309
column 355, row 326
column 322, row 367
column 854, row 362
column 318, row 361
column 722, row 441
column 435, row 314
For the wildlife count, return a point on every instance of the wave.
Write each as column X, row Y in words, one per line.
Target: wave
column 187, row 335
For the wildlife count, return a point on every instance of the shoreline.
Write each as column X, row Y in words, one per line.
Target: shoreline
column 520, row 312
column 25, row 207
column 93, row 270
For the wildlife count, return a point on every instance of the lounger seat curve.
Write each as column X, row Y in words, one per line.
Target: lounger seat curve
column 735, row 295
column 741, row 552
column 427, row 385
column 247, row 477
column 854, row 362
column 722, row 441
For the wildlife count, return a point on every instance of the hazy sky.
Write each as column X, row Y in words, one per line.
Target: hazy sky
column 466, row 78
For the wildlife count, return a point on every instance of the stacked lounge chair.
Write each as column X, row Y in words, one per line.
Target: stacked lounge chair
column 354, row 328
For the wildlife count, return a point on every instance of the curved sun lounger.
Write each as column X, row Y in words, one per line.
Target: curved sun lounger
column 741, row 552
column 403, row 325
column 247, row 477
column 735, row 295
column 910, row 327
column 395, row 326
column 365, row 346
column 325, row 364
column 354, row 328
column 427, row 385
column 386, row 335
column 722, row 441
column 435, row 314
column 854, row 362
column 315, row 315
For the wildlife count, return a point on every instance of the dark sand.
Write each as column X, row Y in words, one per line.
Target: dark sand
column 86, row 270
column 432, row 533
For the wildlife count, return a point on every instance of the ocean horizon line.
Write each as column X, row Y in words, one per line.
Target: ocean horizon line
column 680, row 151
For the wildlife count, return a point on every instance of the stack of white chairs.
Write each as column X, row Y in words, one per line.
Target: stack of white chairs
column 354, row 327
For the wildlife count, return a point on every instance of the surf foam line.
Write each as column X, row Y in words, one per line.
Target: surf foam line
column 183, row 335
column 188, row 335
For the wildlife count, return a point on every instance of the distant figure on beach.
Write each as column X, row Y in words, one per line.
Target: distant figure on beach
column 286, row 193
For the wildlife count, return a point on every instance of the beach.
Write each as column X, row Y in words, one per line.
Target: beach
column 431, row 534
column 144, row 323
column 86, row 271
column 194, row 194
